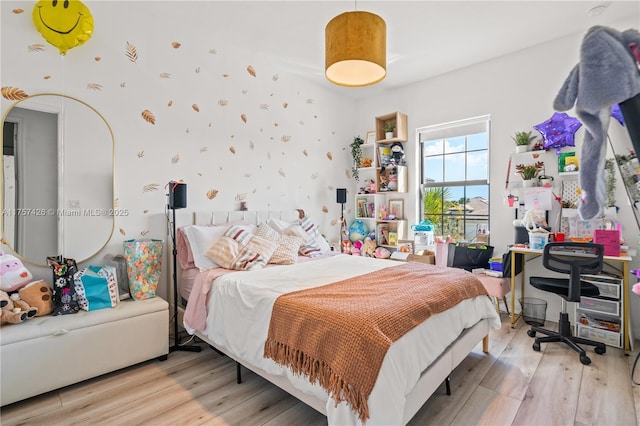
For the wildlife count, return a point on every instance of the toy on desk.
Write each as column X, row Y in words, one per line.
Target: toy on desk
column 532, row 220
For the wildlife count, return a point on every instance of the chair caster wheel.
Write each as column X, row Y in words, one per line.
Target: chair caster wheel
column 536, row 346
column 531, row 333
column 600, row 350
column 585, row 359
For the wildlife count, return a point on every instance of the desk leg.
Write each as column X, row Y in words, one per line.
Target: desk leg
column 625, row 317
column 512, row 314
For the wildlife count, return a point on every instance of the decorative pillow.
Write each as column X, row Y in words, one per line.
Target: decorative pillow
column 317, row 245
column 289, row 228
column 287, row 246
column 200, row 239
column 240, row 250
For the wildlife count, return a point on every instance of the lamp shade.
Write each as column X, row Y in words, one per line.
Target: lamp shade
column 356, row 49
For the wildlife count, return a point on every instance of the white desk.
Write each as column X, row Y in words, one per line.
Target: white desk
column 622, row 263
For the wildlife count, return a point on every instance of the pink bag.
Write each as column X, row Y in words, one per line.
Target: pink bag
column 442, row 254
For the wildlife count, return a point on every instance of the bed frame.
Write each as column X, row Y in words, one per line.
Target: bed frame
column 430, row 379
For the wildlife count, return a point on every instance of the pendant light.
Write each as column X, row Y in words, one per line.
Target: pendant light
column 356, row 49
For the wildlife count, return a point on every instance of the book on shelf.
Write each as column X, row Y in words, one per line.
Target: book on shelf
column 384, row 156
column 365, row 208
column 382, row 234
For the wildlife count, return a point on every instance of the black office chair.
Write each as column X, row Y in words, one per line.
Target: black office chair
column 573, row 259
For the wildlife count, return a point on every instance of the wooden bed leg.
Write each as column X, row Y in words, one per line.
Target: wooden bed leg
column 485, row 344
column 238, row 373
column 447, row 385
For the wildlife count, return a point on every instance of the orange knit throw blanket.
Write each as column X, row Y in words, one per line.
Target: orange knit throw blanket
column 338, row 334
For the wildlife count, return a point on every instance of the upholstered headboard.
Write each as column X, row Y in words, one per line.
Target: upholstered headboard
column 255, row 217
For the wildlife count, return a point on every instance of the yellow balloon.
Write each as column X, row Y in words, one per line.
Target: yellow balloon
column 65, row 24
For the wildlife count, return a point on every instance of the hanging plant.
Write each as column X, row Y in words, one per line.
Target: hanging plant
column 610, row 181
column 356, row 153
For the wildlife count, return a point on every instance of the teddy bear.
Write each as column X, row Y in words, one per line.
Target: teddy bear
column 13, row 274
column 369, row 247
column 38, row 294
column 9, row 314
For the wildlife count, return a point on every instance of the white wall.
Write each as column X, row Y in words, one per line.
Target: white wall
column 518, row 92
column 291, row 152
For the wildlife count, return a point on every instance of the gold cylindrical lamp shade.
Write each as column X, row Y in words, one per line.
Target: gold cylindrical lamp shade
column 356, row 49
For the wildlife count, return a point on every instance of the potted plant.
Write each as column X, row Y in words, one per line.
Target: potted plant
column 522, row 140
column 389, row 127
column 356, row 153
column 529, row 172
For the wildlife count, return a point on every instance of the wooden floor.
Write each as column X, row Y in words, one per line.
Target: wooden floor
column 513, row 385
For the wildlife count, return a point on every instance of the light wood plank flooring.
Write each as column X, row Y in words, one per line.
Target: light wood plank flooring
column 512, row 385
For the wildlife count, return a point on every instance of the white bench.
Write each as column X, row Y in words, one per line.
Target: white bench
column 50, row 352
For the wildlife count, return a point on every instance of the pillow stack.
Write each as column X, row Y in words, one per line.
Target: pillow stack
column 244, row 247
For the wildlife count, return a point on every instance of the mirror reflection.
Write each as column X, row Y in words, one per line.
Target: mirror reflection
column 57, row 193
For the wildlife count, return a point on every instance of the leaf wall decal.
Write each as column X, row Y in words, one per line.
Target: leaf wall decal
column 148, row 116
column 282, row 173
column 212, row 193
column 232, row 149
column 37, row 47
column 12, row 93
column 251, row 71
column 329, row 156
column 175, row 45
column 140, row 154
column 223, row 102
column 175, row 159
column 195, row 107
column 264, row 106
column 94, row 86
column 131, row 52
column 122, row 231
column 243, row 117
column 151, row 187
column 18, row 11
column 285, row 138
column 165, row 75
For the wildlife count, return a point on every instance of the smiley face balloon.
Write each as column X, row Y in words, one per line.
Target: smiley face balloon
column 65, row 24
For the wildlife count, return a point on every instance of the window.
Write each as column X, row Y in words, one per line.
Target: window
column 454, row 171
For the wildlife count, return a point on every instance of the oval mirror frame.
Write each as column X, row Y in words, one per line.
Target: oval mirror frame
column 103, row 216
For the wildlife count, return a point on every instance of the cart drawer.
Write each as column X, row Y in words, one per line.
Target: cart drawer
column 607, row 337
column 610, row 307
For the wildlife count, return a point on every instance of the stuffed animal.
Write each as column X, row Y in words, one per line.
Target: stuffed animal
column 397, row 154
column 39, row 295
column 369, row 247
column 8, row 312
column 382, row 253
column 13, row 274
column 23, row 306
column 356, row 250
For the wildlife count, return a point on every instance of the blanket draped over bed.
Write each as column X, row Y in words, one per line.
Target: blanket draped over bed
column 338, row 334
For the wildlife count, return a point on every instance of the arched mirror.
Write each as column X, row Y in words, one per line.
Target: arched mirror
column 57, row 164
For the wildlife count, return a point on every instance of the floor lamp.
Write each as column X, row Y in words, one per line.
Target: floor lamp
column 177, row 199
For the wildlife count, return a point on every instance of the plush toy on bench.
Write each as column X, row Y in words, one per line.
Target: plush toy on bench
column 14, row 312
column 13, row 274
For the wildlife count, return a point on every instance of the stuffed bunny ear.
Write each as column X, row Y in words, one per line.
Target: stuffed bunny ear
column 566, row 97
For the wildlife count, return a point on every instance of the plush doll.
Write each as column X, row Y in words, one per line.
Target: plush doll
column 397, row 154
column 19, row 304
column 356, row 250
column 382, row 253
column 8, row 312
column 369, row 247
column 39, row 295
column 13, row 274
column 607, row 74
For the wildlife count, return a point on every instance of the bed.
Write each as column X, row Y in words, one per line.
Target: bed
column 238, row 306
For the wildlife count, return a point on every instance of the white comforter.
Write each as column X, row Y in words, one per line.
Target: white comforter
column 239, row 311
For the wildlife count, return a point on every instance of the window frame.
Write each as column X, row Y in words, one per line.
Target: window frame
column 461, row 128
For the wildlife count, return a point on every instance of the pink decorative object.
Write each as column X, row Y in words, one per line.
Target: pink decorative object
column 13, row 274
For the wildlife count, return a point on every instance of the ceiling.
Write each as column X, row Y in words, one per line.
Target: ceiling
column 424, row 38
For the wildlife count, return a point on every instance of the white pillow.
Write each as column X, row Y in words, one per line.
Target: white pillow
column 201, row 238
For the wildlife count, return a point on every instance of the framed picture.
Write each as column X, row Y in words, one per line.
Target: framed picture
column 396, row 208
column 405, row 246
column 371, row 137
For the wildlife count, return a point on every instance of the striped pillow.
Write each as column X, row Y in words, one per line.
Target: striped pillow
column 286, row 252
column 317, row 245
column 240, row 250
